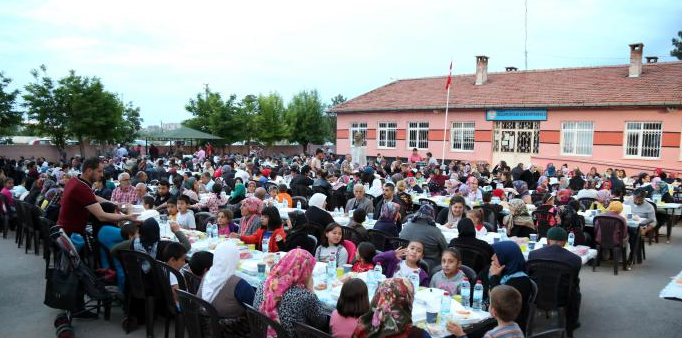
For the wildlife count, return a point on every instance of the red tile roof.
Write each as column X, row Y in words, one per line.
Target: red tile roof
column 659, row 85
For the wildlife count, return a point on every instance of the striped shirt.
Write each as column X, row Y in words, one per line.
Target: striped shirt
column 508, row 331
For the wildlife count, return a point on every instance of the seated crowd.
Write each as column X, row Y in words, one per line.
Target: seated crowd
column 243, row 195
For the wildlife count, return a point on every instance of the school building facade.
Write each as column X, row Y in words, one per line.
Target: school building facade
column 621, row 116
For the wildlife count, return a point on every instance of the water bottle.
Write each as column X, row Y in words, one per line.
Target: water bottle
column 445, row 304
column 377, row 273
column 331, row 266
column 265, row 243
column 298, row 205
column 343, row 212
column 478, row 295
column 285, row 203
column 414, row 278
column 215, row 230
column 465, row 292
column 336, row 211
column 209, row 230
column 571, row 238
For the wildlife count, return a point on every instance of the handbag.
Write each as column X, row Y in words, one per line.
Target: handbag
column 61, row 290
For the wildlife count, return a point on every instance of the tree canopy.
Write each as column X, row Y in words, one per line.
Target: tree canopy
column 10, row 118
column 305, row 115
column 677, row 44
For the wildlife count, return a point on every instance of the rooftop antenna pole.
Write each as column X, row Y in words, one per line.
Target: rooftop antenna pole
column 525, row 42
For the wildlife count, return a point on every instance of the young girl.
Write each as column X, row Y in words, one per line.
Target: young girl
column 332, row 241
column 364, row 256
column 394, row 265
column 450, row 276
column 476, row 216
column 353, row 302
column 225, row 224
column 271, row 227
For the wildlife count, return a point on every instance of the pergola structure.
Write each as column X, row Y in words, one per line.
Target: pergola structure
column 180, row 134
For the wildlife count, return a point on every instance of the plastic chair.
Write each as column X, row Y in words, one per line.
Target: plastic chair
column 555, row 333
column 555, row 288
column 586, row 202
column 395, row 242
column 259, row 324
column 531, row 304
column 491, row 217
column 20, row 223
column 192, row 281
column 472, row 277
column 423, row 201
column 352, row 235
column 305, row 331
column 163, row 272
column 139, row 284
column 378, row 238
column 196, row 313
column 610, row 233
column 473, row 257
column 35, row 213
column 201, row 219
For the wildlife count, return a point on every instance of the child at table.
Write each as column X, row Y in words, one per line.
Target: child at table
column 476, row 216
column 332, row 241
column 185, row 216
column 172, row 209
column 283, row 195
column 175, row 255
column 394, row 265
column 225, row 224
column 363, row 257
column 271, row 229
column 353, row 302
column 148, row 202
column 505, row 305
column 450, row 277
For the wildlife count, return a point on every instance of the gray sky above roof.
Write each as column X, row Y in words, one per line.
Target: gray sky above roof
column 158, row 54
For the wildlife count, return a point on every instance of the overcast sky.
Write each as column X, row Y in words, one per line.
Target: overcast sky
column 158, row 54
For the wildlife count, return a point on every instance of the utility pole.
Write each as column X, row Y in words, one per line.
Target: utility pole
column 525, row 42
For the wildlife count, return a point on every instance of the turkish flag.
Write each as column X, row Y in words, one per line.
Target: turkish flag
column 449, row 81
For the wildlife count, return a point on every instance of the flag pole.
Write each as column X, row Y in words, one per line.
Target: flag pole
column 447, row 107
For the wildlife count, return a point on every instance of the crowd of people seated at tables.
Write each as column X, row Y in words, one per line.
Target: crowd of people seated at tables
column 245, row 193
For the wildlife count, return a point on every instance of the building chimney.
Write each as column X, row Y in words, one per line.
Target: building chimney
column 511, row 69
column 651, row 59
column 481, row 69
column 636, row 50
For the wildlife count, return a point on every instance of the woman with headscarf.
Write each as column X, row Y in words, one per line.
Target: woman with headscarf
column 522, row 192
column 603, row 200
column 238, row 194
column 508, row 267
column 451, row 186
column 226, row 291
column 388, row 221
column 475, row 193
column 376, row 189
column 615, row 209
column 390, row 313
column 287, row 295
column 467, row 236
column 191, row 186
column 422, row 227
column 317, row 214
column 251, row 208
column 250, row 188
column 563, row 196
column 300, row 234
column 543, row 185
column 519, row 223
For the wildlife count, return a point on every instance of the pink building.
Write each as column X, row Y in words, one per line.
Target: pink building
column 622, row 116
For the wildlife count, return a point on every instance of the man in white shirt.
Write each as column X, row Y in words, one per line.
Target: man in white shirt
column 242, row 174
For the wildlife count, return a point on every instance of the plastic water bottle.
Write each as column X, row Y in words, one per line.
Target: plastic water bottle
column 343, row 212
column 445, row 304
column 209, row 230
column 331, row 266
column 298, row 205
column 336, row 211
column 377, row 273
column 571, row 238
column 414, row 278
column 465, row 292
column 478, row 295
column 265, row 243
column 285, row 203
column 215, row 230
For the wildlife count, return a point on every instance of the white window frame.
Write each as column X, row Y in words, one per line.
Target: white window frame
column 386, row 128
column 458, row 130
column 641, row 133
column 577, row 129
column 358, row 127
column 418, row 127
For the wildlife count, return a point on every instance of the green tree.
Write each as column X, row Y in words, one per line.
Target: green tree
column 331, row 116
column 270, row 119
column 226, row 122
column 677, row 43
column 305, row 115
column 128, row 130
column 338, row 99
column 10, row 118
column 44, row 107
column 249, row 110
column 212, row 114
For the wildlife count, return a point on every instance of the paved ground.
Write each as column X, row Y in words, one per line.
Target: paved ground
column 626, row 305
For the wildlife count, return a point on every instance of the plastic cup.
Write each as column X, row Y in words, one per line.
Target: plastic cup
column 629, row 216
column 531, row 246
column 252, row 246
column 524, row 247
column 261, row 269
column 496, row 239
column 431, row 317
column 339, row 272
column 347, row 268
column 533, row 237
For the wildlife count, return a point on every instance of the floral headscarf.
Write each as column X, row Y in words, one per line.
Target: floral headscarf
column 425, row 213
column 654, row 182
column 253, row 205
column 389, row 211
column 606, row 185
column 564, row 195
column 292, row 270
column 518, row 207
column 464, row 190
column 604, row 197
column 391, row 311
column 521, row 188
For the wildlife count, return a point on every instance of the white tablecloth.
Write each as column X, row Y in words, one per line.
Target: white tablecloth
column 673, row 289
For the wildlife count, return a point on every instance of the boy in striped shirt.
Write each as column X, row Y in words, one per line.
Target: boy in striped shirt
column 505, row 305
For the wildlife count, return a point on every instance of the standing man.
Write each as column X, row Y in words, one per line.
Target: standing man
column 153, row 152
column 415, row 157
column 200, row 154
column 316, row 162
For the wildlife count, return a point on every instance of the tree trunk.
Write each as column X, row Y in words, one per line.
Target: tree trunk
column 81, row 146
column 305, row 147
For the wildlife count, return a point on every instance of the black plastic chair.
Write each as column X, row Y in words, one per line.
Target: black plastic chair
column 259, row 324
column 610, row 233
column 472, row 277
column 491, row 217
column 305, row 331
column 555, row 289
column 139, row 284
column 192, row 281
column 199, row 317
column 474, row 258
column 202, row 218
column 378, row 238
column 352, row 235
column 395, row 242
column 531, row 304
column 20, row 222
column 35, row 213
column 423, row 201
column 163, row 272
column 555, row 333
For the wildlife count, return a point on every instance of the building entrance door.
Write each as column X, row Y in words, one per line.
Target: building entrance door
column 515, row 141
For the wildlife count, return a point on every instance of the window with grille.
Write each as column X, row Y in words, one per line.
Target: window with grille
column 462, row 136
column 387, row 134
column 418, row 135
column 577, row 138
column 643, row 139
column 358, row 127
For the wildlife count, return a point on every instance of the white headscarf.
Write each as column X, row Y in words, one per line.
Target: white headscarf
column 375, row 190
column 225, row 261
column 317, row 200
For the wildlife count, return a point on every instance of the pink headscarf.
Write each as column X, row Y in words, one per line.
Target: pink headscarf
column 564, row 195
column 654, row 182
column 292, row 270
column 254, row 205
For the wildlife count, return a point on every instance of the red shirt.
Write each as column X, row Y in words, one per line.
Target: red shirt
column 73, row 216
column 362, row 267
